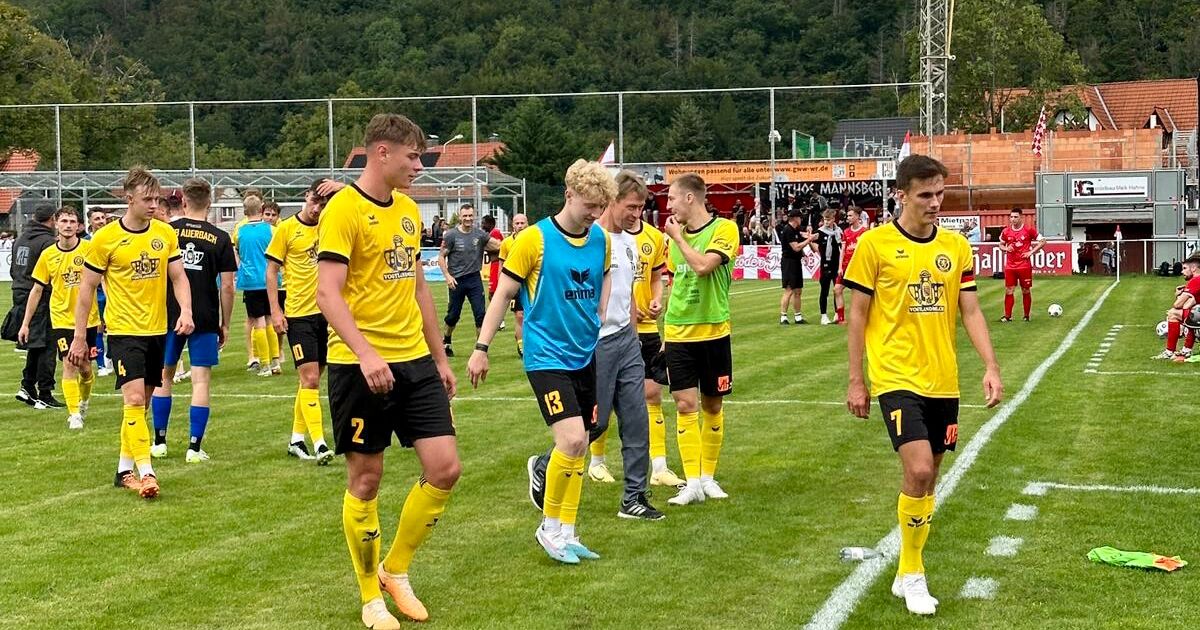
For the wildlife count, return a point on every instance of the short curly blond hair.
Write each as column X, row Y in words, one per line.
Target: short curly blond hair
column 591, row 181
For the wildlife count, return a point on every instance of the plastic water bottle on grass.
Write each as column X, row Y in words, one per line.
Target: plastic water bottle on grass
column 858, row 554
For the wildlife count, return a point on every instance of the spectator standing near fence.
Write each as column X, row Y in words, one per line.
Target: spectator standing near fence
column 461, row 260
column 829, row 246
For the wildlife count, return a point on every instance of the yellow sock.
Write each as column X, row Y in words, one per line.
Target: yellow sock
column 558, row 475
column 136, row 436
column 422, row 509
column 85, row 385
column 571, row 498
column 126, row 451
column 297, row 414
column 360, row 524
column 310, row 410
column 597, row 447
column 914, row 515
column 712, row 435
column 658, row 432
column 272, row 344
column 689, row 443
column 262, row 350
column 71, row 393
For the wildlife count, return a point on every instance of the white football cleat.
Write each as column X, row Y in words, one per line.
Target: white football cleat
column 83, row 407
column 195, row 457
column 691, row 493
column 825, row 320
column 158, row 450
column 182, row 376
column 376, row 616
column 916, row 594
column 712, row 490
column 75, row 421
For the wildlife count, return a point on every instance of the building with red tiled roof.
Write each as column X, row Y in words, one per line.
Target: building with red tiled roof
column 1167, row 103
column 440, row 156
column 16, row 162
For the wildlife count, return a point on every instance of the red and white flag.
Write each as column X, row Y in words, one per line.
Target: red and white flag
column 1039, row 133
column 906, row 148
column 609, row 157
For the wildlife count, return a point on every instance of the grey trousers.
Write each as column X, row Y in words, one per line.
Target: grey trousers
column 620, row 376
column 620, row 388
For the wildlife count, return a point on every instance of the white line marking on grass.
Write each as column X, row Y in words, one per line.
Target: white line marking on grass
column 1004, row 546
column 845, row 597
column 979, row 588
column 1021, row 512
column 1189, row 374
column 1040, row 488
column 759, row 290
column 1105, row 346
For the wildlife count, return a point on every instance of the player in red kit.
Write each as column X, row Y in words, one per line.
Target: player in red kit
column 849, row 242
column 1185, row 299
column 1021, row 242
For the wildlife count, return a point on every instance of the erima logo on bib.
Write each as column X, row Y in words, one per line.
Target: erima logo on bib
column 580, row 276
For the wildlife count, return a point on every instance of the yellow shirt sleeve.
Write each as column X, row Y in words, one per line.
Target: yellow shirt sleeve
column 277, row 249
column 725, row 240
column 97, row 257
column 607, row 250
column 41, row 269
column 526, row 254
column 660, row 260
column 172, row 237
column 864, row 266
column 336, row 231
column 966, row 257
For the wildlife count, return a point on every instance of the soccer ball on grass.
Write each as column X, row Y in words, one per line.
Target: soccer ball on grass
column 1161, row 329
column 1055, row 310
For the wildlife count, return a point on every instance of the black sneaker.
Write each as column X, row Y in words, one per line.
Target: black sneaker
column 537, row 482
column 1005, row 320
column 324, row 455
column 50, row 401
column 639, row 508
column 24, row 397
column 449, row 350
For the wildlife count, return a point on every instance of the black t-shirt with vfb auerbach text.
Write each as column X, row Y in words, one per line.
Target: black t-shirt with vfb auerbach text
column 206, row 251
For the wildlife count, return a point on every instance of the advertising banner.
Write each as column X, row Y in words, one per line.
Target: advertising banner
column 1055, row 259
column 785, row 171
column 429, row 263
column 967, row 225
column 5, row 259
column 762, row 262
column 1098, row 188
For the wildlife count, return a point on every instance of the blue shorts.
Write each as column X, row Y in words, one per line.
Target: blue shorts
column 202, row 349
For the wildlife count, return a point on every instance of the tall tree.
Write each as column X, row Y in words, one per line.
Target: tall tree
column 688, row 138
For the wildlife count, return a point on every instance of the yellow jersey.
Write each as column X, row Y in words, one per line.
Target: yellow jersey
column 294, row 247
column 380, row 243
column 707, row 296
column 524, row 256
column 60, row 271
column 911, row 324
column 506, row 246
column 134, row 266
column 652, row 256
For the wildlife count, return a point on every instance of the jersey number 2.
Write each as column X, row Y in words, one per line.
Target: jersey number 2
column 358, row 425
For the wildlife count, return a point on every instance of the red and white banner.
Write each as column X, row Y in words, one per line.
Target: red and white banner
column 762, row 262
column 1055, row 259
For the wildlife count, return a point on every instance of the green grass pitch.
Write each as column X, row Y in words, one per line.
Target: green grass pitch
column 252, row 539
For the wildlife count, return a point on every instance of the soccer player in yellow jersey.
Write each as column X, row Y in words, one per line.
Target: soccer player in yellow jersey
column 294, row 248
column 388, row 372
column 60, row 267
column 134, row 255
column 697, row 329
column 519, row 222
column 910, row 281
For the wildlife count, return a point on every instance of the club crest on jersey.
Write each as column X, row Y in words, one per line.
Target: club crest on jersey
column 156, row 244
column 927, row 294
column 399, row 259
column 647, row 249
column 409, row 227
column 78, row 261
column 71, row 278
column 145, row 267
column 943, row 263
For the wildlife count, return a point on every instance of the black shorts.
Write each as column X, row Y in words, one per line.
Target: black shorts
column 64, row 336
column 793, row 273
column 416, row 408
column 309, row 338
column 563, row 394
column 654, row 357
column 910, row 417
column 282, row 301
column 137, row 357
column 515, row 305
column 704, row 364
column 256, row 303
